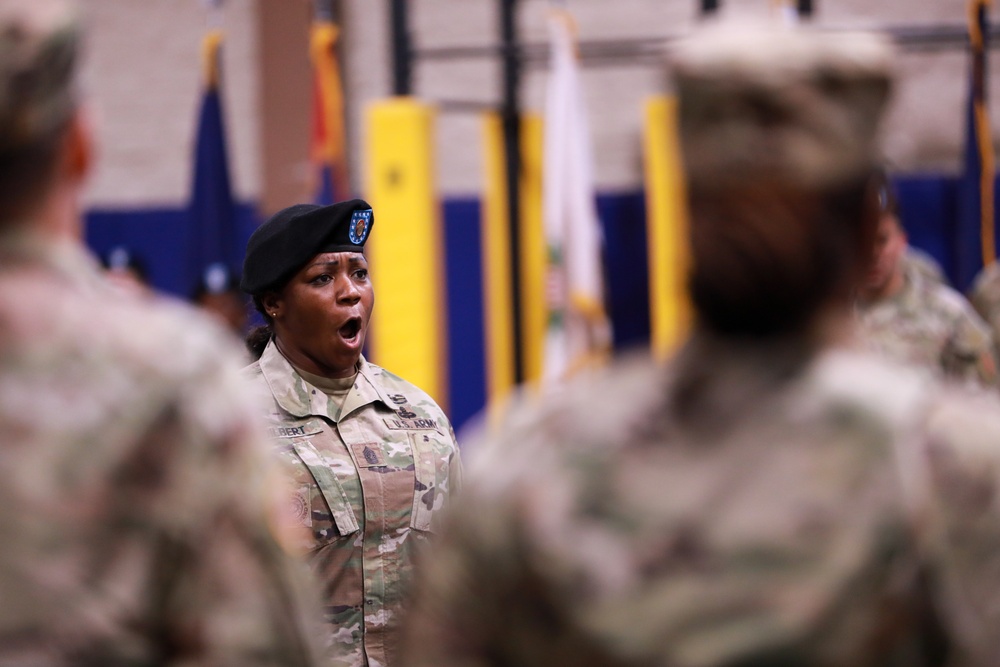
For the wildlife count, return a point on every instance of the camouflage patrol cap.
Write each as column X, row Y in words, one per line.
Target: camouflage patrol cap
column 292, row 236
column 39, row 45
column 778, row 102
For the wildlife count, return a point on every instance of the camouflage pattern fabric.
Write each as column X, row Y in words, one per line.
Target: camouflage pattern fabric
column 985, row 298
column 755, row 101
column 39, row 47
column 134, row 489
column 931, row 326
column 923, row 264
column 369, row 480
column 748, row 505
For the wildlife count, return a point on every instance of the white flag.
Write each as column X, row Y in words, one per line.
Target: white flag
column 578, row 334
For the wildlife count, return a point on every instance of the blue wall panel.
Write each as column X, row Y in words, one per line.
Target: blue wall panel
column 162, row 238
column 623, row 219
column 926, row 208
column 464, row 288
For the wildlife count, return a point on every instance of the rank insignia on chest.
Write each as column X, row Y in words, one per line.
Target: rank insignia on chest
column 368, row 454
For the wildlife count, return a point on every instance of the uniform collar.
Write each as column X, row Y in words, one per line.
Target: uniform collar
column 907, row 298
column 63, row 257
column 298, row 397
column 715, row 381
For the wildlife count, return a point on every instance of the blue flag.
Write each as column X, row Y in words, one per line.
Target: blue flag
column 975, row 219
column 212, row 209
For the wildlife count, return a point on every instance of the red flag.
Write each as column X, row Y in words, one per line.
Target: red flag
column 328, row 150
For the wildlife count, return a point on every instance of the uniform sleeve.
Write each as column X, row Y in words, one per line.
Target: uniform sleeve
column 961, row 534
column 482, row 598
column 483, row 593
column 970, row 352
column 223, row 590
column 455, row 470
column 460, row 580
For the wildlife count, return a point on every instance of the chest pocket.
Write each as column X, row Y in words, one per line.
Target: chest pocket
column 432, row 456
column 330, row 488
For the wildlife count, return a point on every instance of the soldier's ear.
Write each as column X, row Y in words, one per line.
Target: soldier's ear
column 78, row 147
column 272, row 303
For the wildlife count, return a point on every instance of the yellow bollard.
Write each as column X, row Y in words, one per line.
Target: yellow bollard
column 408, row 335
column 534, row 250
column 497, row 299
column 669, row 254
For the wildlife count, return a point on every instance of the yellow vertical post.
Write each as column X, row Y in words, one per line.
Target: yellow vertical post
column 497, row 299
column 406, row 246
column 670, row 308
column 534, row 309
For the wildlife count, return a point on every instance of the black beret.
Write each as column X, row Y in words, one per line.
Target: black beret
column 292, row 236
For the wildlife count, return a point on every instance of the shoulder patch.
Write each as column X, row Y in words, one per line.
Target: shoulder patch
column 361, row 224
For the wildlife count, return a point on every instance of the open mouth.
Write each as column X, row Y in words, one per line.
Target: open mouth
column 351, row 328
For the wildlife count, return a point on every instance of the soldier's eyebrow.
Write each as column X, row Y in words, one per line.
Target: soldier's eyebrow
column 355, row 258
column 331, row 262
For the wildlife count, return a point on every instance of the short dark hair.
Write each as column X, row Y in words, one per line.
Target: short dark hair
column 768, row 256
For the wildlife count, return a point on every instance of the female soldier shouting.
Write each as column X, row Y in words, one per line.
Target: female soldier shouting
column 372, row 458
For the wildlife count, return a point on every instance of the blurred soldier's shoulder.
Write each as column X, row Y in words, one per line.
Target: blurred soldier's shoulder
column 706, row 396
column 984, row 294
column 924, row 264
column 724, row 488
column 71, row 333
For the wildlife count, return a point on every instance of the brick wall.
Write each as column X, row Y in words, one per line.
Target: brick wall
column 143, row 74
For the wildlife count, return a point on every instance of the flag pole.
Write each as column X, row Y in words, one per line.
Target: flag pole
column 510, row 114
column 211, row 208
column 329, row 136
column 978, row 39
column 402, row 49
column 214, row 10
column 709, row 7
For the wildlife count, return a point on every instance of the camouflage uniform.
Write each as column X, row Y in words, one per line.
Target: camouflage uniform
column 369, row 479
column 923, row 264
column 932, row 326
column 133, row 489
column 985, row 298
column 768, row 498
column 748, row 505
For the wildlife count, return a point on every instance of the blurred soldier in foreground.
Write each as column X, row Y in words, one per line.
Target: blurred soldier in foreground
column 218, row 293
column 126, row 271
column 985, row 297
column 913, row 319
column 773, row 496
column 133, row 498
column 915, row 259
